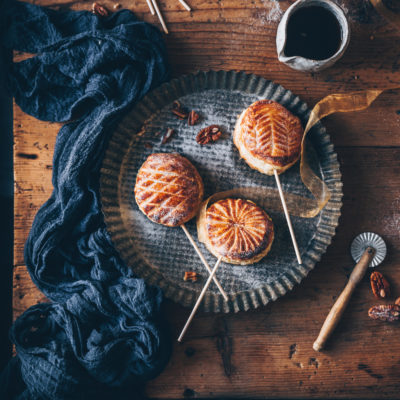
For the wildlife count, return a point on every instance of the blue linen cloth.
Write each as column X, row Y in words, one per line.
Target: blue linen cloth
column 102, row 334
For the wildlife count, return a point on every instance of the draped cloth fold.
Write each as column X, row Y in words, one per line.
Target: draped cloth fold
column 102, row 334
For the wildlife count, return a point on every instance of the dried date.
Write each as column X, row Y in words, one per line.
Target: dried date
column 190, row 276
column 389, row 313
column 99, row 10
column 380, row 286
column 209, row 134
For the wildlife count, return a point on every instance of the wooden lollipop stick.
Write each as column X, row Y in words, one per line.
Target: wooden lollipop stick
column 160, row 17
column 196, row 306
column 204, row 261
column 287, row 215
column 150, row 7
column 341, row 303
column 186, row 5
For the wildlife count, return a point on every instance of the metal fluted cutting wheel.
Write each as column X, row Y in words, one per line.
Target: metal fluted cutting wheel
column 161, row 255
column 368, row 239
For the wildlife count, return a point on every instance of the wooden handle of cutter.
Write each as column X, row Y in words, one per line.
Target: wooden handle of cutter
column 341, row 303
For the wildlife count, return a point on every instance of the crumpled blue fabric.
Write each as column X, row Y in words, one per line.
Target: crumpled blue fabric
column 103, row 334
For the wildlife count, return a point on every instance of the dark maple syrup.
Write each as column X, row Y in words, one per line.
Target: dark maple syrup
column 314, row 33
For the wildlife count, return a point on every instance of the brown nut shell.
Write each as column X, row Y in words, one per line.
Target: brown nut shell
column 379, row 285
column 389, row 312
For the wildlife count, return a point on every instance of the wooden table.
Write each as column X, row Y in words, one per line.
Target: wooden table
column 268, row 352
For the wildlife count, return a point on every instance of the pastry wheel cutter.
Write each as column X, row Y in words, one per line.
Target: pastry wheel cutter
column 368, row 250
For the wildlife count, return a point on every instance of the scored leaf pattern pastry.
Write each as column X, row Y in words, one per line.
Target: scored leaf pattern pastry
column 268, row 136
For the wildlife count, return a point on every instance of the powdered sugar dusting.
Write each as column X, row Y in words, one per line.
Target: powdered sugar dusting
column 273, row 10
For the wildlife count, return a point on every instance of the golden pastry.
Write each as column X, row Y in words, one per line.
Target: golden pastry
column 239, row 231
column 168, row 189
column 268, row 137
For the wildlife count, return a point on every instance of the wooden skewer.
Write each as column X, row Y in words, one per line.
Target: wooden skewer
column 151, row 7
column 287, row 215
column 196, row 306
column 204, row 261
column 186, row 5
column 160, row 17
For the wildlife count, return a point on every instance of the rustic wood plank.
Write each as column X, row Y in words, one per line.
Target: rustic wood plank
column 199, row 45
column 33, row 154
column 268, row 352
column 25, row 293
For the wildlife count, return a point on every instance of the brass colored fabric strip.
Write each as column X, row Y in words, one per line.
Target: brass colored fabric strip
column 333, row 103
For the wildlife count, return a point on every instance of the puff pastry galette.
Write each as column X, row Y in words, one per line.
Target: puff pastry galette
column 268, row 137
column 168, row 189
column 239, row 231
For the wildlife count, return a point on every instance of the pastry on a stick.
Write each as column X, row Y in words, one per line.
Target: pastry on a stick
column 268, row 137
column 239, row 231
column 168, row 189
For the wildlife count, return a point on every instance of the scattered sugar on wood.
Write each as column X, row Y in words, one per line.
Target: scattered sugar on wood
column 273, row 11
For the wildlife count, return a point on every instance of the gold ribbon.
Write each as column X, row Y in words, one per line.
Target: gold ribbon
column 355, row 101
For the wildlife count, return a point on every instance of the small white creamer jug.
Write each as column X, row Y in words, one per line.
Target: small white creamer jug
column 312, row 35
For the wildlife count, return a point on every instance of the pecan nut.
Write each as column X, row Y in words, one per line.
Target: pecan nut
column 209, row 134
column 193, row 118
column 390, row 312
column 167, row 136
column 180, row 111
column 380, row 286
column 190, row 276
column 99, row 10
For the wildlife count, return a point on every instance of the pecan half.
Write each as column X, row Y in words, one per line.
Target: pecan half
column 209, row 134
column 167, row 135
column 190, row 276
column 180, row 111
column 390, row 312
column 380, row 286
column 99, row 10
column 193, row 118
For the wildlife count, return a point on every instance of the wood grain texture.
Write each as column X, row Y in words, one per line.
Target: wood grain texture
column 268, row 353
column 33, row 154
column 25, row 293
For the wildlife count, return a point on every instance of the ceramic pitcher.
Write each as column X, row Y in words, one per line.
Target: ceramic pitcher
column 306, row 64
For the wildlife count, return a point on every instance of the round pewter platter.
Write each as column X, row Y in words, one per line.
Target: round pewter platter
column 161, row 255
